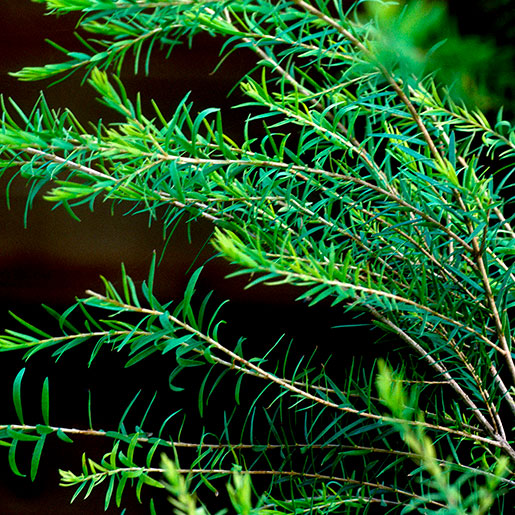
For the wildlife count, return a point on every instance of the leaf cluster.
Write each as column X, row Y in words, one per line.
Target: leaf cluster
column 364, row 189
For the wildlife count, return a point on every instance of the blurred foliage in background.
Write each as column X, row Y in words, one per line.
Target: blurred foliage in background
column 467, row 47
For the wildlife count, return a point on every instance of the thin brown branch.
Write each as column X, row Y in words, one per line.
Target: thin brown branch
column 503, row 443
column 285, row 383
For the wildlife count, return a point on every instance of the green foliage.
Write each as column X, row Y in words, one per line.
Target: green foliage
column 403, row 409
column 419, row 37
column 361, row 184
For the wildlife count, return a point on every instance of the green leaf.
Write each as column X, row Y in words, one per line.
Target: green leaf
column 119, row 489
column 30, row 326
column 21, row 435
column 45, row 402
column 109, row 492
column 63, row 436
column 36, row 457
column 17, row 395
column 44, row 429
column 12, row 459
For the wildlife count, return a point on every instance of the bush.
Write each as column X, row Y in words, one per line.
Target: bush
column 355, row 179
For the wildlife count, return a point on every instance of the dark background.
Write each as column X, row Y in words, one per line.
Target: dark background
column 55, row 259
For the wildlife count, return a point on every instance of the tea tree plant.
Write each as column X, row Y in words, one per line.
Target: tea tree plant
column 359, row 183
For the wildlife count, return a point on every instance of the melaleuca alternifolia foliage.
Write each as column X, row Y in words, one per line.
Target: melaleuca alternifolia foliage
column 358, row 179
